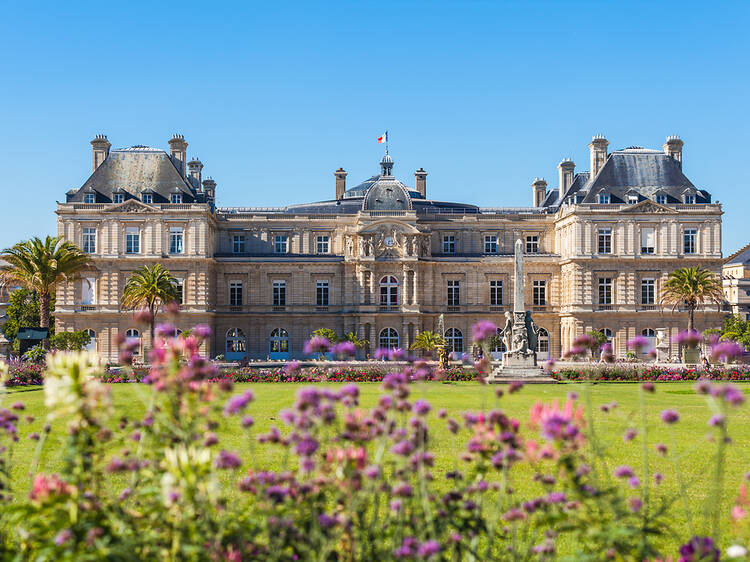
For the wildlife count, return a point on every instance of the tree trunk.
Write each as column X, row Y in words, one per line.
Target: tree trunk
column 691, row 317
column 44, row 302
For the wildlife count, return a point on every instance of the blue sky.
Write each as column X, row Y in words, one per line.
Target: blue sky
column 275, row 96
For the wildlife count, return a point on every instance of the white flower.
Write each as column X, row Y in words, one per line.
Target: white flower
column 736, row 551
column 69, row 382
column 4, row 372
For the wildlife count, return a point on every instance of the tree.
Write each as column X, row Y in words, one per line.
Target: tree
column 70, row 341
column 40, row 265
column 358, row 343
column 692, row 286
column 735, row 329
column 328, row 334
column 149, row 287
column 23, row 310
column 427, row 341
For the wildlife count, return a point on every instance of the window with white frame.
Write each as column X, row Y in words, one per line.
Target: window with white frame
column 238, row 244
column 322, row 244
column 604, row 240
column 118, row 198
column 496, row 293
column 648, row 240
column 280, row 244
column 449, row 244
column 279, row 341
column 690, row 237
column 689, row 199
column 92, row 342
column 661, row 199
column 454, row 292
column 89, row 198
column 632, row 199
column 279, row 293
column 539, row 292
column 532, row 244
column 132, row 240
column 388, row 338
column 490, row 244
column 603, row 198
column 235, row 341
column 176, row 198
column 389, row 291
column 648, row 291
column 321, row 293
column 235, row 293
column 179, row 284
column 88, row 290
column 88, row 240
column 147, row 198
column 605, row 290
column 175, row 240
column 454, row 340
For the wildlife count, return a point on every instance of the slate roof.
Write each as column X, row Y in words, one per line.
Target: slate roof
column 135, row 169
column 741, row 257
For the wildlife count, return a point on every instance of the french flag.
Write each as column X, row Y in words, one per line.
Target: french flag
column 383, row 139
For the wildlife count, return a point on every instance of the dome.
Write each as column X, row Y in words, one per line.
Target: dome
column 387, row 194
column 387, row 159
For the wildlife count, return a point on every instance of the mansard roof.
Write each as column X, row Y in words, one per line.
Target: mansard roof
column 136, row 169
column 740, row 257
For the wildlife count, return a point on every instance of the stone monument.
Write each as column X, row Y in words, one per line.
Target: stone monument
column 519, row 333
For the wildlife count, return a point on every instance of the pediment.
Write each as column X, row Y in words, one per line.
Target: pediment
column 388, row 225
column 133, row 206
column 648, row 206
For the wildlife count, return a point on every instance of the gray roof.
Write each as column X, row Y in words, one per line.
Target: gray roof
column 135, row 169
column 742, row 257
column 387, row 194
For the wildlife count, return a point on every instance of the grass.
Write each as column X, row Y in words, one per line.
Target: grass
column 687, row 439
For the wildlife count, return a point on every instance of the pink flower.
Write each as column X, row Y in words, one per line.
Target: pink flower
column 483, row 330
column 316, row 344
column 670, row 416
column 344, row 349
column 688, row 338
column 637, row 343
column 227, row 459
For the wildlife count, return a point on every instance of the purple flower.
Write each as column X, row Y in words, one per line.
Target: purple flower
column 670, row 416
column 396, row 354
column 202, row 331
column 291, row 367
column 726, row 351
column 381, row 353
column 549, row 364
column 635, row 504
column 351, row 390
column 699, row 549
column 629, row 435
column 238, row 403
column 165, row 330
column 623, row 471
column 637, row 343
column 406, row 550
column 556, row 497
column 482, row 330
column 585, row 340
column 733, row 395
column 227, row 459
column 634, row 482
column 403, row 448
column 316, row 344
column 326, row 521
column 372, row 472
column 402, row 489
column 63, row 536
column 688, row 338
column 18, row 406
column 648, row 387
column 717, row 420
column 210, row 439
column 428, row 548
column 307, row 446
column 658, row 477
column 421, row 407
column 344, row 349
column 661, row 448
column 514, row 386
column 247, row 421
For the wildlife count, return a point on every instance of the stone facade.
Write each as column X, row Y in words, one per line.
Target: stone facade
column 383, row 260
column 736, row 282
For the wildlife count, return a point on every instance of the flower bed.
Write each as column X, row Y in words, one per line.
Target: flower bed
column 622, row 373
column 337, row 374
column 23, row 373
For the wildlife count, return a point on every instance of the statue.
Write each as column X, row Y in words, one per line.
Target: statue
column 507, row 332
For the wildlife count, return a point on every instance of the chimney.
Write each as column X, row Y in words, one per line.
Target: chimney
column 209, row 188
column 566, row 170
column 421, row 177
column 100, row 146
column 598, row 154
column 539, row 189
column 673, row 148
column 195, row 172
column 340, row 182
column 178, row 151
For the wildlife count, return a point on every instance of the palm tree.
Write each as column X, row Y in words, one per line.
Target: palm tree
column 149, row 287
column 358, row 343
column 427, row 341
column 692, row 286
column 39, row 265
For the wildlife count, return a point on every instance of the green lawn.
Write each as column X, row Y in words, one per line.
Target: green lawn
column 688, row 437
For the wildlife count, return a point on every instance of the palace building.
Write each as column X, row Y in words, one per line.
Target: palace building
column 384, row 260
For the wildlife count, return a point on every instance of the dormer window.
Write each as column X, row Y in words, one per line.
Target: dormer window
column 632, row 199
column 603, row 199
column 148, row 198
column 118, row 198
column 661, row 199
column 89, row 198
column 176, row 198
column 689, row 199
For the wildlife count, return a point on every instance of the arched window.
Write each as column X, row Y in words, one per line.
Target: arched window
column 608, row 334
column 133, row 335
column 92, row 344
column 279, row 342
column 388, row 338
column 454, row 340
column 235, row 344
column 650, row 335
column 389, row 291
column 542, row 344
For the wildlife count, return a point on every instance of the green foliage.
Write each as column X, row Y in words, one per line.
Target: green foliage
column 691, row 287
column 359, row 343
column 149, row 287
column 599, row 336
column 36, row 354
column 736, row 329
column 427, row 341
column 326, row 333
column 70, row 341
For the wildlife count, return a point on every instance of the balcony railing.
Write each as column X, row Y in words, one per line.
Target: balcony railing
column 454, row 308
column 604, row 307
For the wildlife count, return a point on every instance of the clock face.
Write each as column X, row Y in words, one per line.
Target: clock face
column 389, row 241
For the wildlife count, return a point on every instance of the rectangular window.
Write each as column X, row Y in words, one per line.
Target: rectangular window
column 176, row 198
column 279, row 293
column 132, row 240
column 689, row 238
column 235, row 293
column 449, row 244
column 605, row 241
column 88, row 290
column 280, row 244
column 648, row 240
column 490, row 244
column 175, row 240
column 147, row 198
column 454, row 293
column 496, row 293
column 238, row 244
column 322, row 244
column 321, row 293
column 689, row 199
column 632, row 199
column 605, row 290
column 539, row 292
column 89, row 240
column 89, row 198
column 179, row 283
column 603, row 198
column 648, row 291
column 661, row 199
column 118, row 198
column 532, row 244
